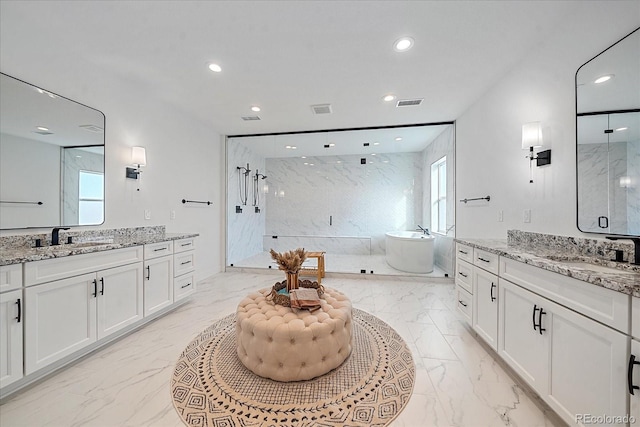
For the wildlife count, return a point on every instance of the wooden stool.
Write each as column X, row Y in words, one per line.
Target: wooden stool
column 317, row 271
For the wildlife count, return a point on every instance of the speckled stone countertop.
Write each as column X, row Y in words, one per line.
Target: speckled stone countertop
column 557, row 259
column 18, row 249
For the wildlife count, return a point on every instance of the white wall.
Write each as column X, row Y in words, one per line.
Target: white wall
column 184, row 157
column 27, row 178
column 489, row 157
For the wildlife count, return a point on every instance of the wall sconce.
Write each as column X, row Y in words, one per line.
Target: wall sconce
column 532, row 138
column 138, row 158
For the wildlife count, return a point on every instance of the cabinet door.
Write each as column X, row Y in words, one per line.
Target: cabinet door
column 588, row 365
column 519, row 340
column 119, row 298
column 60, row 318
column 10, row 337
column 634, row 379
column 485, row 306
column 158, row 284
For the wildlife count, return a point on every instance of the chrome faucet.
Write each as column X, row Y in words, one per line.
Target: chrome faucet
column 54, row 235
column 424, row 230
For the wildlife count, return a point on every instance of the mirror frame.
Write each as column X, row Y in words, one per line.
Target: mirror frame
column 103, row 145
column 592, row 113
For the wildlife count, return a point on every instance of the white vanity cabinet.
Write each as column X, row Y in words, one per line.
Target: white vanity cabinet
column 158, row 276
column 11, row 321
column 10, row 277
column 485, row 306
column 65, row 315
column 184, row 260
column 577, row 365
column 463, row 279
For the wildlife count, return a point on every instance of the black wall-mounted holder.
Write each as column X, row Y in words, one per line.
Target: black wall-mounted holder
column 257, row 210
column 543, row 158
column 132, row 173
column 238, row 209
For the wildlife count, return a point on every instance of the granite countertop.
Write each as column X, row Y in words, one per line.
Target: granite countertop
column 626, row 281
column 17, row 255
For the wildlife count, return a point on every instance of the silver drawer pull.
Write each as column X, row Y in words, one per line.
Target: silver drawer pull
column 462, row 303
column 185, row 244
column 160, row 249
column 462, row 274
column 463, row 252
column 483, row 260
column 188, row 284
column 186, row 262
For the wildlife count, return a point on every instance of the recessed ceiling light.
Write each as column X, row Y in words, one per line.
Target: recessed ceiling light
column 388, row 98
column 339, row 161
column 293, row 147
column 310, row 164
column 306, row 163
column 398, row 138
column 255, row 108
column 287, row 146
column 621, row 129
column 373, row 154
column 403, row 44
column 604, row 78
column 215, row 68
column 303, row 157
column 376, row 143
column 331, row 144
column 42, row 128
column 385, row 161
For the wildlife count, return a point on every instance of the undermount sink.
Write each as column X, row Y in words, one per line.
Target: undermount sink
column 88, row 244
column 597, row 267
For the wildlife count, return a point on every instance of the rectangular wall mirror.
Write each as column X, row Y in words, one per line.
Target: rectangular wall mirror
column 51, row 159
column 608, row 140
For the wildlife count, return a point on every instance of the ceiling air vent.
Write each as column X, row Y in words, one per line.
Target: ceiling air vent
column 250, row 118
column 321, row 109
column 92, row 128
column 409, row 102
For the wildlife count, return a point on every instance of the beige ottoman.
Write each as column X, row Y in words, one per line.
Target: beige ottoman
column 291, row 345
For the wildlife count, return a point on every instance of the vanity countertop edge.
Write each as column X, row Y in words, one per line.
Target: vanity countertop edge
column 627, row 282
column 11, row 256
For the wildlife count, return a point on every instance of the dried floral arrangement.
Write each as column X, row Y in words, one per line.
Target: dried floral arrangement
column 290, row 261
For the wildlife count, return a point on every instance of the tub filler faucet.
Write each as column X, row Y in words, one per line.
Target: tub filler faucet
column 424, row 230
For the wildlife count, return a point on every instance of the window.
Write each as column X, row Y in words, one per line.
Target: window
column 91, row 197
column 439, row 196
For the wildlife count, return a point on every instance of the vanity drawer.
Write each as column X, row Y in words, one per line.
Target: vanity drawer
column 183, row 245
column 486, row 260
column 10, row 277
column 155, row 250
column 464, row 272
column 464, row 252
column 184, row 286
column 463, row 303
column 59, row 268
column 183, row 263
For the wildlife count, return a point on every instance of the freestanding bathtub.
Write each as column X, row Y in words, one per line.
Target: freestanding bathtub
column 410, row 251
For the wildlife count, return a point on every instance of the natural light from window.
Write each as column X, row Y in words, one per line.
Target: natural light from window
column 91, row 198
column 439, row 196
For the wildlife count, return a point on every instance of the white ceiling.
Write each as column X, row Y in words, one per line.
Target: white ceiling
column 283, row 56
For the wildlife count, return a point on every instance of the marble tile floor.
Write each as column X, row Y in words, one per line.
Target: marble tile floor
column 342, row 263
column 458, row 383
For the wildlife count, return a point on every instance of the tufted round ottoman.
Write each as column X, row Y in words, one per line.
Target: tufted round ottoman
column 291, row 345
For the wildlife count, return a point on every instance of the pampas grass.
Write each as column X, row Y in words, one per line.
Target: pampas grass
column 290, row 261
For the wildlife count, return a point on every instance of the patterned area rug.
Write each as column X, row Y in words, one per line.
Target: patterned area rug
column 212, row 388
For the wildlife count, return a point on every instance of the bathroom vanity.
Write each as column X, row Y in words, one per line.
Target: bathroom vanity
column 561, row 320
column 58, row 303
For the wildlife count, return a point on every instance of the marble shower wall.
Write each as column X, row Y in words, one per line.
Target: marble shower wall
column 633, row 190
column 244, row 230
column 600, row 194
column 443, row 145
column 338, row 196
